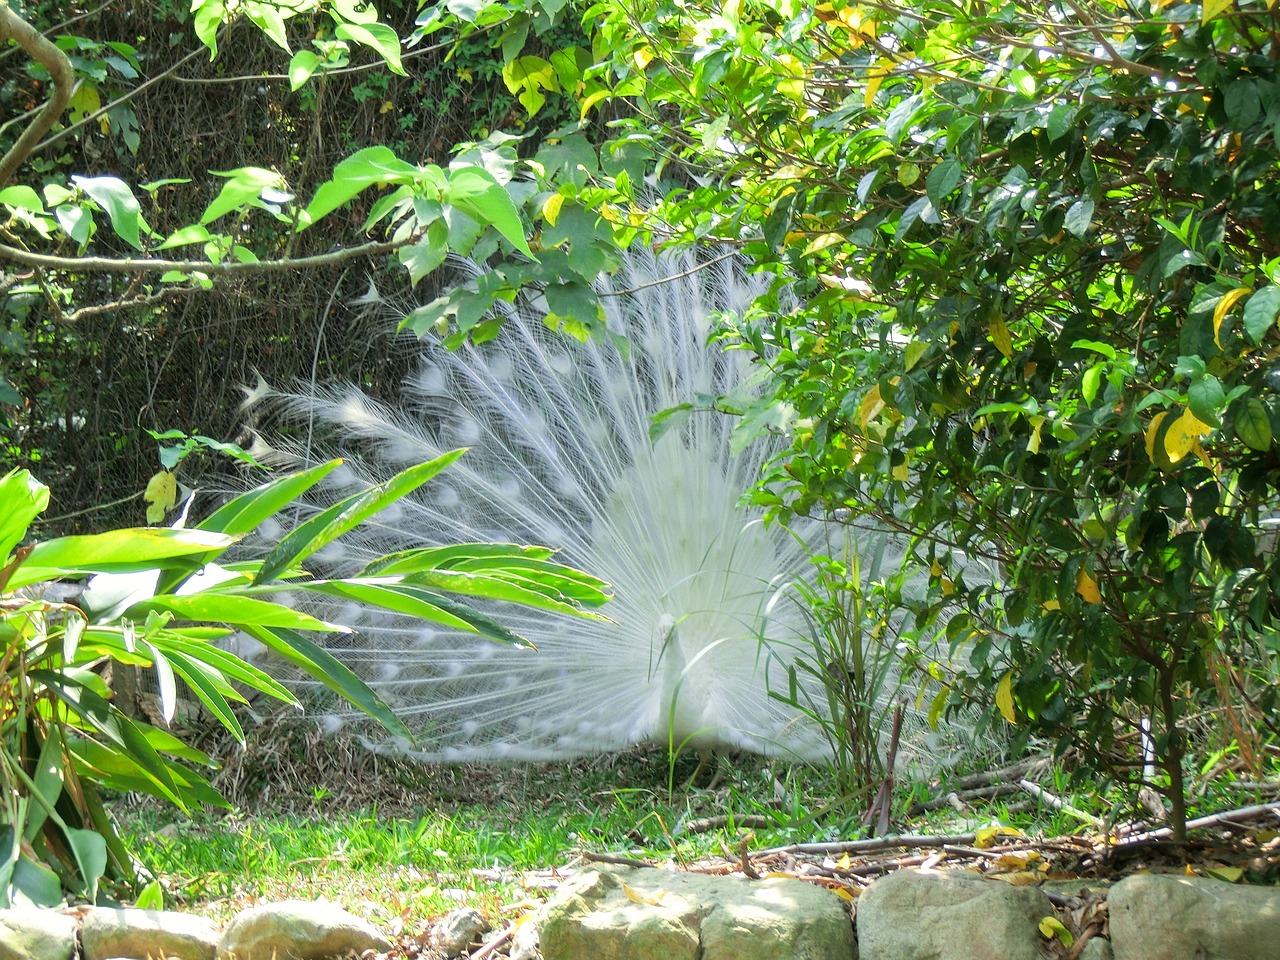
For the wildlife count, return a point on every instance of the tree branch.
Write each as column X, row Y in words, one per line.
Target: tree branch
column 151, row 265
column 13, row 27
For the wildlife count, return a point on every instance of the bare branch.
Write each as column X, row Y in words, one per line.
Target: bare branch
column 152, row 265
column 13, row 27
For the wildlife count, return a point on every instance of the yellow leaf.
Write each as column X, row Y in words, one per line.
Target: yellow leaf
column 1087, row 587
column 901, row 472
column 1213, row 9
column 1153, row 431
column 1000, row 337
column 845, row 862
column 1033, row 441
column 387, row 106
column 1004, row 698
column 821, row 242
column 551, row 208
column 875, row 77
column 1182, row 435
column 871, row 406
column 1223, row 308
column 1014, row 861
column 643, row 56
column 948, row 587
column 1052, row 929
column 985, row 837
column 160, row 495
column 1050, row 605
column 1229, row 874
column 635, row 896
column 841, row 892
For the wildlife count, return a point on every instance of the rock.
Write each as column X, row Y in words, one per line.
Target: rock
column 647, row 914
column 949, row 915
column 142, row 934
column 1163, row 917
column 457, row 930
column 36, row 935
column 298, row 930
column 1097, row 948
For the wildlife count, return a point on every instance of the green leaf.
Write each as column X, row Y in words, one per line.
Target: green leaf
column 244, row 185
column 268, row 17
column 119, row 203
column 1079, row 217
column 231, row 609
column 474, row 191
column 208, row 17
column 301, row 67
column 116, row 551
column 376, row 36
column 248, row 510
column 22, row 499
column 328, row 525
column 90, row 850
column 21, row 197
column 942, row 179
column 1206, row 398
column 416, row 601
column 363, row 169
column 1253, row 424
column 321, row 665
column 1261, row 311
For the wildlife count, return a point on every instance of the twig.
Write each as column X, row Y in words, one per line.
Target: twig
column 13, row 27
column 904, row 841
column 1040, row 793
column 494, row 942
column 156, row 265
column 614, row 858
column 962, row 797
column 707, row 824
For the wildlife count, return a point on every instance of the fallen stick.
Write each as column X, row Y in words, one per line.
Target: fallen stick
column 975, row 793
column 873, row 844
column 1040, row 793
column 1226, row 818
column 707, row 824
column 1016, row 771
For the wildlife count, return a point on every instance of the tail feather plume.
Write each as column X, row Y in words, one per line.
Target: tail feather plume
column 560, row 454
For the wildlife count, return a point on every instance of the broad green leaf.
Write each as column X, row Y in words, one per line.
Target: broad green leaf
column 1261, row 312
column 1051, row 928
column 474, row 191
column 243, row 187
column 244, row 513
column 118, row 202
column 268, row 17
column 230, row 609
column 90, row 850
column 942, row 180
column 116, row 551
column 193, row 233
column 48, row 780
column 1205, row 398
column 321, row 665
column 22, row 499
column 376, row 36
column 363, row 169
column 301, row 67
column 208, row 17
column 325, row 527
column 33, row 884
column 1253, row 424
column 1079, row 217
column 22, row 197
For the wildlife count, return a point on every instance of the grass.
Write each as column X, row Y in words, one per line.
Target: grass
column 401, row 844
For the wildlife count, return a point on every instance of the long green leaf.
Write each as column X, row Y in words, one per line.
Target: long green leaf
column 245, row 512
column 321, row 665
column 131, row 550
column 225, row 663
column 22, row 499
column 328, row 525
column 212, row 692
column 227, row 608
column 424, row 604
